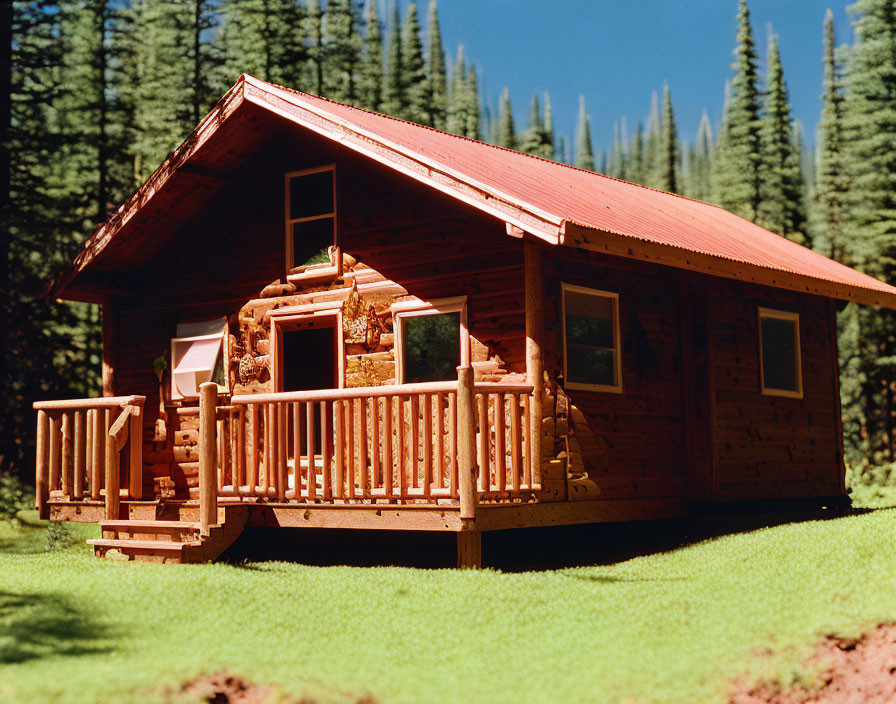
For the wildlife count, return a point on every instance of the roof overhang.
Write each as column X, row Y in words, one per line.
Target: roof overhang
column 520, row 217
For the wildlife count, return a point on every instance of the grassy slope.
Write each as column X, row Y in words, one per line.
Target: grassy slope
column 670, row 627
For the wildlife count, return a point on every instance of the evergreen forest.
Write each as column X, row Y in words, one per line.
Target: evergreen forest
column 101, row 91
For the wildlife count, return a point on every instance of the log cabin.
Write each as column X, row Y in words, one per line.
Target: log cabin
column 318, row 316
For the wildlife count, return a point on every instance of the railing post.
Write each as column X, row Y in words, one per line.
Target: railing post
column 208, row 494
column 113, row 477
column 534, row 297
column 135, row 441
column 42, row 488
column 469, row 538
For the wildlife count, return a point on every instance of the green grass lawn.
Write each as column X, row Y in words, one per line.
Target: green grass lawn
column 674, row 626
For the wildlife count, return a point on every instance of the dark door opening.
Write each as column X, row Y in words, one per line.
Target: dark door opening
column 309, row 359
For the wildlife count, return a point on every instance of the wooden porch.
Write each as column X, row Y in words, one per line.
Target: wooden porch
column 442, row 456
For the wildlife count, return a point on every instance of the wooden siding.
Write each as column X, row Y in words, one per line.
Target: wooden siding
column 771, row 446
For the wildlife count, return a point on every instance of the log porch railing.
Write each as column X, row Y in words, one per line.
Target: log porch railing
column 79, row 448
column 390, row 444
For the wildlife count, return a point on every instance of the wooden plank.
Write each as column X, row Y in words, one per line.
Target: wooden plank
column 466, row 443
column 99, row 452
column 241, row 449
column 68, row 453
column 42, row 453
column 80, row 438
column 505, row 516
column 252, row 449
column 282, row 434
column 402, row 452
column 55, row 453
column 326, row 445
column 440, row 441
column 350, row 440
column 528, row 431
column 339, row 442
column 375, row 441
column 484, row 445
column 208, row 495
column 111, row 470
column 309, row 451
column 357, row 516
column 414, row 409
column 363, row 447
column 135, row 465
column 427, row 444
column 388, row 461
column 516, row 443
column 297, row 447
column 452, row 444
column 500, row 442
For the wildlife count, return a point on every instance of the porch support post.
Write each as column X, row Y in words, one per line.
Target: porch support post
column 108, row 314
column 42, row 483
column 208, row 490
column 469, row 538
column 534, row 297
column 113, row 477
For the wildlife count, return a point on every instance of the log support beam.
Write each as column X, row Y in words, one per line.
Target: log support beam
column 469, row 549
column 534, row 297
column 208, row 489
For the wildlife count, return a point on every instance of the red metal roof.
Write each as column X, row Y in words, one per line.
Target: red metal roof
column 552, row 200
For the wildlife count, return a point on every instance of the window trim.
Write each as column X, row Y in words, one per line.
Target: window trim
column 795, row 319
column 417, row 308
column 223, row 389
column 289, row 222
column 285, row 320
column 617, row 333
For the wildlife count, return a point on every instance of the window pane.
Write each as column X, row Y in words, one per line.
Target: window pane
column 310, row 195
column 430, row 347
column 310, row 240
column 591, row 345
column 779, row 363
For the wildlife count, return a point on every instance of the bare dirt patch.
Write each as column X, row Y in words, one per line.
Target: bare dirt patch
column 859, row 671
column 226, row 688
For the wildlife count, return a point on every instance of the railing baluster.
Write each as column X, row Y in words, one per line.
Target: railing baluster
column 387, row 446
column 427, row 445
column 415, row 439
column 527, row 429
column 42, row 468
column 282, row 430
column 500, row 442
column 309, row 449
column 363, row 445
column 402, row 452
column 80, row 453
column 516, row 444
column 219, row 458
column 98, row 453
column 297, row 449
column 484, row 470
column 452, row 444
column 326, row 439
column 68, row 452
column 241, row 449
column 339, row 442
column 55, row 451
column 252, row 450
column 440, row 439
column 351, row 440
column 375, row 441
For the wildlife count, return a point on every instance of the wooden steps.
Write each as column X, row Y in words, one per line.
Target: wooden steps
column 169, row 541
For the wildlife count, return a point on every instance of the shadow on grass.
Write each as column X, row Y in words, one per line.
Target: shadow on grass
column 521, row 550
column 34, row 626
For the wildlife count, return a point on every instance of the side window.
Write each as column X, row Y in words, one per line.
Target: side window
column 432, row 340
column 780, row 366
column 591, row 349
column 197, row 356
column 310, row 216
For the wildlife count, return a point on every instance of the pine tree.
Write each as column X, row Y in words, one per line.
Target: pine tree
column 535, row 139
column 505, row 135
column 549, row 125
column 781, row 209
column 699, row 181
column 636, row 155
column 312, row 30
column 584, row 150
column 737, row 174
column 832, row 183
column 342, row 50
column 869, row 133
column 617, row 166
column 393, row 77
column 413, row 70
column 370, row 70
column 652, row 147
column 436, row 72
column 456, row 122
column 668, row 172
column 472, row 103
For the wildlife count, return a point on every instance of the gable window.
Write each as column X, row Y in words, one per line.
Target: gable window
column 432, row 340
column 780, row 367
column 591, row 349
column 310, row 216
column 197, row 356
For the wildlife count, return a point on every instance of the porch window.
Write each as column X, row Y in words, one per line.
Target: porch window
column 197, row 356
column 432, row 340
column 591, row 349
column 780, row 367
column 310, row 216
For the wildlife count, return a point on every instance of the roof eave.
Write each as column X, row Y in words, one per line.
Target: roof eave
column 622, row 245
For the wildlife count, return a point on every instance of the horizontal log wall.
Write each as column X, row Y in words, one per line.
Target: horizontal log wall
column 632, row 444
column 770, row 446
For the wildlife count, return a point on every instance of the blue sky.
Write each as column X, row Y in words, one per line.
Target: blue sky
column 617, row 53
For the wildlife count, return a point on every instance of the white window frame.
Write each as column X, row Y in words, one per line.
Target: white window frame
column 402, row 310
column 176, row 394
column 287, row 318
column 795, row 319
column 617, row 339
column 289, row 222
